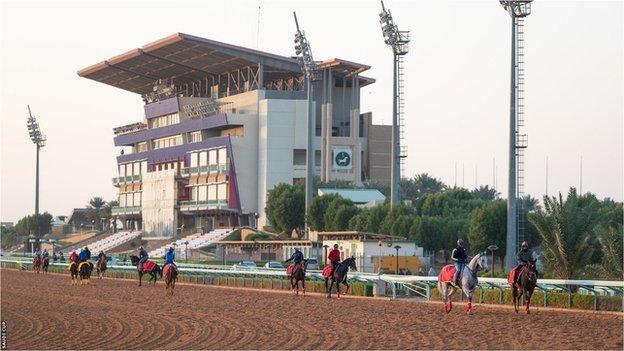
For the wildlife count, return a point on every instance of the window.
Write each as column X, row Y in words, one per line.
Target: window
column 203, row 158
column 212, row 157
column 212, row 192
column 194, row 157
column 221, row 192
column 167, row 142
column 195, row 137
column 222, row 156
column 165, row 120
column 136, row 168
column 202, row 193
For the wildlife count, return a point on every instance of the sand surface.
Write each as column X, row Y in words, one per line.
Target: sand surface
column 46, row 312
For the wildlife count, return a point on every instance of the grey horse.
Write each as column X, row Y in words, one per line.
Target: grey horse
column 469, row 282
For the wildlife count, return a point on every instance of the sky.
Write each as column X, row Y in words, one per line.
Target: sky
column 456, row 85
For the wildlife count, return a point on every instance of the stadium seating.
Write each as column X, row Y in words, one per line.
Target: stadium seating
column 195, row 241
column 112, row 241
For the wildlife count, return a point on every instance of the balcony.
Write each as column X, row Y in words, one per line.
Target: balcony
column 195, row 205
column 212, row 169
column 126, row 210
column 126, row 179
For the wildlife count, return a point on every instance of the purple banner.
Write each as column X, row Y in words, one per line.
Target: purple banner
column 162, row 108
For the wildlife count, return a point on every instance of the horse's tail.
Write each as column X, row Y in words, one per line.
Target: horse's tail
column 158, row 271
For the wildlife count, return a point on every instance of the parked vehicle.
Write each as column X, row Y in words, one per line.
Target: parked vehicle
column 245, row 265
column 274, row 264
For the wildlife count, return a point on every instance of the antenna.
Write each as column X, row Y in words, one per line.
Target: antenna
column 398, row 41
column 517, row 9
column 258, row 29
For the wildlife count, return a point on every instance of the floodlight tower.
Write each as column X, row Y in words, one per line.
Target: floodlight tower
column 517, row 9
column 398, row 41
column 39, row 140
column 311, row 73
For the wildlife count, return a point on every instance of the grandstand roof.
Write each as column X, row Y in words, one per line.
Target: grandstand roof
column 188, row 58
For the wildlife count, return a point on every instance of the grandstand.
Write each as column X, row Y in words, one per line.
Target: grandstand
column 195, row 241
column 110, row 242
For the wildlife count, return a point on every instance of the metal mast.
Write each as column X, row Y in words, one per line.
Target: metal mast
column 517, row 9
column 312, row 74
column 39, row 140
column 398, row 41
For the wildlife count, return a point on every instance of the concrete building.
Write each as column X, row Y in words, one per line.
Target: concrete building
column 223, row 125
column 368, row 248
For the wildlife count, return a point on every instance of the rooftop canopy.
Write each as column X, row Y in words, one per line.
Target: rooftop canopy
column 358, row 196
column 188, row 59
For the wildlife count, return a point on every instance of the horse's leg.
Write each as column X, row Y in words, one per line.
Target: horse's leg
column 331, row 285
column 514, row 291
column 528, row 300
column 347, row 285
column 303, row 286
column 140, row 277
column 469, row 305
column 338, row 288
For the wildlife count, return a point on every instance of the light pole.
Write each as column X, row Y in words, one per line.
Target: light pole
column 398, row 41
column 32, row 245
column 380, row 243
column 492, row 248
column 326, row 247
column 39, row 140
column 312, row 74
column 186, row 251
column 52, row 241
column 397, row 247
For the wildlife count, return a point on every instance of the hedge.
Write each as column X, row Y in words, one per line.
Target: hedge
column 553, row 299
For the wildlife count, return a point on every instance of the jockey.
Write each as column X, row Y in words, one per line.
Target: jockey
column 143, row 256
column 460, row 257
column 73, row 257
column 296, row 257
column 170, row 257
column 83, row 256
column 37, row 253
column 523, row 257
column 334, row 258
column 88, row 253
column 45, row 254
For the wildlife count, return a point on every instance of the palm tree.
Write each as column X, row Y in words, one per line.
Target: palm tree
column 566, row 231
column 107, row 211
column 485, row 193
column 94, row 208
column 610, row 240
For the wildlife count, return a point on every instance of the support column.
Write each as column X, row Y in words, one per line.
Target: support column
column 328, row 124
column 355, row 130
column 395, row 170
column 324, row 127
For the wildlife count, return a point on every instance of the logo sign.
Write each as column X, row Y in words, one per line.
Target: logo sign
column 343, row 159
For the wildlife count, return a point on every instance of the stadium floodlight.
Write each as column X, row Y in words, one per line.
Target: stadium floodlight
column 398, row 41
column 34, row 132
column 311, row 73
column 517, row 9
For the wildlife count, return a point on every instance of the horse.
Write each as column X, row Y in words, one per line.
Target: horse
column 298, row 275
column 73, row 271
column 469, row 282
column 84, row 272
column 170, row 275
column 525, row 284
column 339, row 276
column 154, row 272
column 101, row 265
column 37, row 264
column 45, row 262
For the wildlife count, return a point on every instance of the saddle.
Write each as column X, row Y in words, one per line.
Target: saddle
column 327, row 271
column 83, row 263
column 292, row 269
column 510, row 276
column 69, row 266
column 148, row 266
column 446, row 274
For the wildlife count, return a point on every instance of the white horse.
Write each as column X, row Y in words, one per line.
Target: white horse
column 468, row 282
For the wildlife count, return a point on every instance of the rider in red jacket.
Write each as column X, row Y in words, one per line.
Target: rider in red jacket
column 334, row 257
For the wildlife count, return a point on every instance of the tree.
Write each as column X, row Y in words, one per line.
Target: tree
column 107, row 211
column 94, row 209
column 36, row 224
column 317, row 210
column 285, row 207
column 566, row 231
column 488, row 226
column 423, row 184
column 338, row 214
column 485, row 193
column 610, row 239
column 8, row 236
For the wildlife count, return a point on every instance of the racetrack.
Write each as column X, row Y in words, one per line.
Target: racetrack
column 45, row 312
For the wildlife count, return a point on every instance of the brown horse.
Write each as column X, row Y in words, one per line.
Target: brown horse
column 298, row 275
column 84, row 272
column 45, row 262
column 73, row 271
column 37, row 264
column 525, row 284
column 170, row 275
column 339, row 276
column 101, row 265
column 153, row 273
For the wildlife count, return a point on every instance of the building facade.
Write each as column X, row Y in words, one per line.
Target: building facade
column 222, row 126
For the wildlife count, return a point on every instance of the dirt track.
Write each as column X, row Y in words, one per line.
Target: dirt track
column 116, row 314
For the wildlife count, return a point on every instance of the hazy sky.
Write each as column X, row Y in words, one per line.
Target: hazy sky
column 457, row 85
